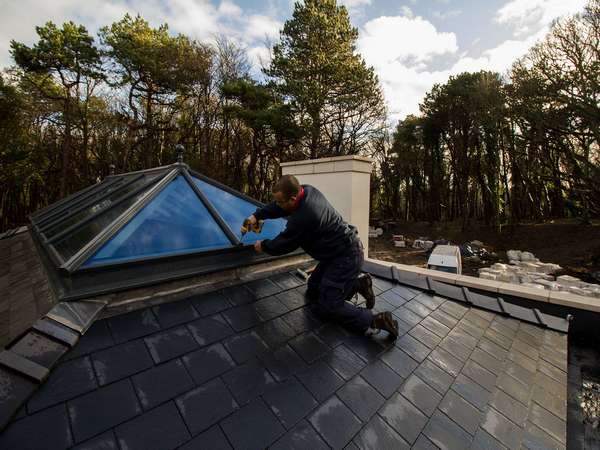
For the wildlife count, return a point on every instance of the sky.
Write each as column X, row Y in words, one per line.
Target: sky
column 412, row 44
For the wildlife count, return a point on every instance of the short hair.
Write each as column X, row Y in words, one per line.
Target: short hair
column 288, row 185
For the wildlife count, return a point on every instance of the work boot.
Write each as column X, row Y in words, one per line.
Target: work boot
column 365, row 288
column 385, row 321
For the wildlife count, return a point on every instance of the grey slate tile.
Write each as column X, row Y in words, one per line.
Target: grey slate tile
column 408, row 316
column 501, row 428
column 332, row 334
column 404, row 417
column 46, row 429
column 95, row 412
column 210, row 303
column 460, row 335
column 420, row 394
column 209, row 329
column 481, row 376
column 378, row 435
column 157, row 429
column 382, row 378
column 534, row 438
column 170, row 344
column 551, row 400
column 290, row 402
column 193, row 405
column 175, row 313
column 335, row 422
column 285, row 281
column 97, row 337
column 292, row 299
column 461, row 412
column 446, row 361
column 510, row 408
column 309, row 347
column 424, row 444
column 344, row 361
column 361, row 398
column 483, row 440
column 208, row 362
column 238, row 295
column 16, row 390
column 442, row 317
column 548, row 422
column 486, row 361
column 66, row 381
column 471, row 391
column 121, row 361
column 436, row 377
column 514, row 388
column 242, row 317
column 263, row 288
column 418, row 308
column 248, row 381
column 162, row 383
column 301, row 437
column 133, row 325
column 498, row 338
column 212, row 439
column 320, row 380
column 283, row 363
column 270, row 307
column 399, row 361
column 367, row 348
column 300, row 320
column 105, row 441
column 454, row 309
column 444, row 433
column 393, row 298
column 405, row 292
column 39, row 349
column 519, row 372
column 245, row 346
column 275, row 333
column 252, row 427
column 423, row 335
column 455, row 348
column 493, row 349
column 415, row 349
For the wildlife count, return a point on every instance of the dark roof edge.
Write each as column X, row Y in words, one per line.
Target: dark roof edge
column 20, row 373
column 539, row 313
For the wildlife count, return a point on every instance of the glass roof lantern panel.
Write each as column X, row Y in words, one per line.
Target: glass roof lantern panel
column 175, row 221
column 235, row 209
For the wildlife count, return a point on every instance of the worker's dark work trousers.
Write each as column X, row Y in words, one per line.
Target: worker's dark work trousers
column 333, row 282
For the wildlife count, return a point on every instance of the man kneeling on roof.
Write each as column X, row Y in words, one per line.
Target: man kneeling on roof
column 314, row 225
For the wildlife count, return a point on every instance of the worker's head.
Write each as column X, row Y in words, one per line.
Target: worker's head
column 286, row 191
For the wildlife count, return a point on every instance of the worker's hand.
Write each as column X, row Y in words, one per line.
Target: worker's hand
column 258, row 246
column 249, row 224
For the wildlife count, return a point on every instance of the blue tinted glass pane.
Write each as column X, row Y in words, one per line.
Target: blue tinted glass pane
column 175, row 221
column 234, row 210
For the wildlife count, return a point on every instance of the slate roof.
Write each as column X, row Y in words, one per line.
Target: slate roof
column 252, row 366
column 26, row 294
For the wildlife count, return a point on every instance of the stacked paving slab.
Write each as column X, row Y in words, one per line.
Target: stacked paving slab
column 527, row 270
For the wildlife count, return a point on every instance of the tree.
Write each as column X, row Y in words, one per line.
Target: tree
column 159, row 71
column 65, row 56
column 332, row 93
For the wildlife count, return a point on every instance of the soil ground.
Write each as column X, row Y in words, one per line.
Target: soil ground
column 575, row 247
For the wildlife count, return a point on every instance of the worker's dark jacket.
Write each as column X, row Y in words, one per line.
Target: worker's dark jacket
column 315, row 226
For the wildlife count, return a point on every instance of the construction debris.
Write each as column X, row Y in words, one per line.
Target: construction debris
column 527, row 270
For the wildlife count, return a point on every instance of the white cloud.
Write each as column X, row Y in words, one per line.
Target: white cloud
column 259, row 56
column 407, row 12
column 385, row 40
column 444, row 15
column 261, row 27
column 529, row 16
column 354, row 4
column 198, row 19
column 403, row 49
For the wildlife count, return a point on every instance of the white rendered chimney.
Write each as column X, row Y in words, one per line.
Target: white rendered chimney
column 345, row 181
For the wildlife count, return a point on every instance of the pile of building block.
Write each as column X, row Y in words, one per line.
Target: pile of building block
column 422, row 243
column 527, row 270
